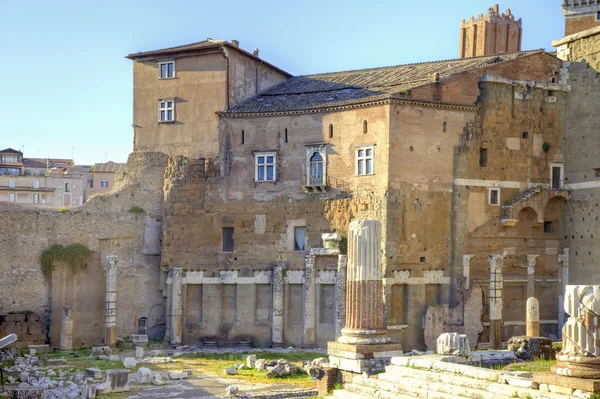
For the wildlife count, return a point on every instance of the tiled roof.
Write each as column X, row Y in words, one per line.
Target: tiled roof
column 34, row 163
column 336, row 89
column 109, row 166
column 203, row 45
column 10, row 150
column 43, row 162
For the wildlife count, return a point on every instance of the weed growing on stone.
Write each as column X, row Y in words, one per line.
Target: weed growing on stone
column 74, row 254
column 136, row 209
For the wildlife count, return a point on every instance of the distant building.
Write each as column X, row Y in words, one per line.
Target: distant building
column 580, row 15
column 43, row 182
column 101, row 177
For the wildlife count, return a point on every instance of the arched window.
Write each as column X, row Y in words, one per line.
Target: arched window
column 316, row 170
column 365, row 127
column 243, row 137
column 330, row 131
column 286, row 136
column 445, row 127
column 143, row 326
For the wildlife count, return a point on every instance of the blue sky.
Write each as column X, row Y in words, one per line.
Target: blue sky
column 67, row 88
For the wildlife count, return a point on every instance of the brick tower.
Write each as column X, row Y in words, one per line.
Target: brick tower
column 580, row 15
column 492, row 33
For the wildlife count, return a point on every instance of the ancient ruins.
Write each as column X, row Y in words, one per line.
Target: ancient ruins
column 434, row 208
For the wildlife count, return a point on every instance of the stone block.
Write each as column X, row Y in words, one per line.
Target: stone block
column 139, row 338
column 144, row 375
column 129, row 362
column 549, row 378
column 453, row 344
column 531, row 348
column 139, row 352
column 118, row 380
column 93, row 372
column 27, row 393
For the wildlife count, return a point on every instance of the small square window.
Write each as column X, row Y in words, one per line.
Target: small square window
column 11, row 197
column 166, row 69
column 494, row 196
column 423, row 259
column 104, row 183
column 166, row 110
column 549, row 227
column 90, row 184
column 525, row 135
column 265, row 166
column 228, row 242
column 299, row 237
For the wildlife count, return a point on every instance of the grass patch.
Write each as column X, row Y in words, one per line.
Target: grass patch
column 536, row 366
column 136, row 209
column 62, row 209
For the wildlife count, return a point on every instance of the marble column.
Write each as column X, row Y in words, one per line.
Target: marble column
column 531, row 260
column 110, row 323
column 564, row 259
column 340, row 295
column 496, row 288
column 176, row 304
column 467, row 270
column 532, row 318
column 580, row 354
column 277, row 326
column 364, row 289
column 310, row 337
column 66, row 329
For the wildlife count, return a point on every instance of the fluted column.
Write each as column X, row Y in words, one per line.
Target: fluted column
column 110, row 322
column 176, row 305
column 496, row 288
column 277, row 326
column 364, row 287
column 340, row 295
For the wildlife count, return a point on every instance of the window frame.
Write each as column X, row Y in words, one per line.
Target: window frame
column 365, row 158
column 13, row 196
column 36, row 184
column 166, row 62
column 102, row 184
column 36, row 198
column 497, row 190
column 166, row 109
column 12, row 183
column 67, row 187
column 296, row 246
column 266, row 164
column 232, row 229
column 483, row 160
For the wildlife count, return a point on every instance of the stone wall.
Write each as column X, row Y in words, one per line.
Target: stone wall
column 106, row 227
column 31, row 328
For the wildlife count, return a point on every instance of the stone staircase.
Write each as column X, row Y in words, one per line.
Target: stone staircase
column 535, row 197
column 409, row 377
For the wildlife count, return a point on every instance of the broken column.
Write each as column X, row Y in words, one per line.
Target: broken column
column 66, row 329
column 176, row 305
column 340, row 295
column 277, row 326
column 580, row 354
column 533, row 318
column 496, row 287
column 564, row 259
column 110, row 335
column 467, row 270
column 364, row 345
column 531, row 260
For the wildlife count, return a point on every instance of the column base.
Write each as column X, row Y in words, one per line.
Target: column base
column 363, row 337
column 362, row 358
column 577, row 366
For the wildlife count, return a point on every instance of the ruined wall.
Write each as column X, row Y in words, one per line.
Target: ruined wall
column 513, row 124
column 106, row 227
column 537, row 66
column 582, row 139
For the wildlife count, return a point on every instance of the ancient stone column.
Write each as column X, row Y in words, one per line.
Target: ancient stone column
column 110, row 323
column 364, row 289
column 533, row 318
column 340, row 295
column 531, row 260
column 176, row 305
column 467, row 270
column 496, row 288
column 310, row 337
column 277, row 326
column 564, row 259
column 66, row 329
column 580, row 354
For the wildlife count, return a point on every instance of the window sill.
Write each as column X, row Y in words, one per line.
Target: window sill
column 366, row 174
column 173, row 78
column 265, row 181
column 166, row 122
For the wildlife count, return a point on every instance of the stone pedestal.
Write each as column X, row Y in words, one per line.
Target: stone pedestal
column 364, row 345
column 533, row 318
column 110, row 323
column 580, row 354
